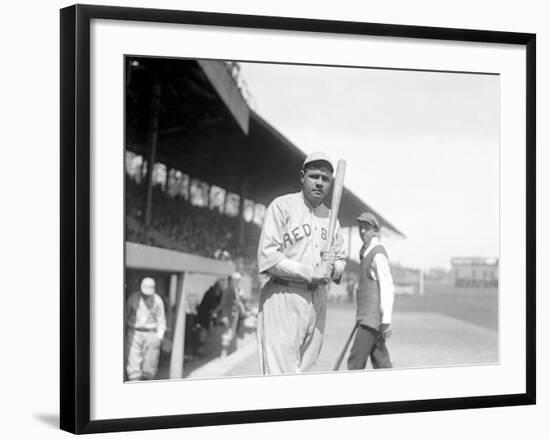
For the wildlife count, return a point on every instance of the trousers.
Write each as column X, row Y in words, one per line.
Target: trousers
column 290, row 328
column 368, row 343
column 143, row 350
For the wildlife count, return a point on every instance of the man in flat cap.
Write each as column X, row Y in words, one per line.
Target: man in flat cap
column 374, row 299
column 292, row 312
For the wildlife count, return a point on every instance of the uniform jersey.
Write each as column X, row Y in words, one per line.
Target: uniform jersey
column 296, row 231
column 291, row 318
column 142, row 313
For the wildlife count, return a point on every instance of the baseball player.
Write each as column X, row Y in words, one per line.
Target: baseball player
column 374, row 299
column 146, row 324
column 292, row 308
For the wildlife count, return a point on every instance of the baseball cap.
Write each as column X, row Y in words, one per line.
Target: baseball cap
column 147, row 286
column 318, row 156
column 367, row 217
column 236, row 276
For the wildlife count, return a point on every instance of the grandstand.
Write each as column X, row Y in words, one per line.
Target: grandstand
column 201, row 167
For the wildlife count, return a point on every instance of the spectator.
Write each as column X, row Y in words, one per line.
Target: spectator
column 207, row 311
column 177, row 224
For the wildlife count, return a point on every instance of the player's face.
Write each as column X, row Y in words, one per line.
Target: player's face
column 147, row 286
column 366, row 232
column 316, row 183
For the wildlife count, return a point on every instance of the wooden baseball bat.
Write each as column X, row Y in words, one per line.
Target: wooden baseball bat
column 343, row 353
column 338, row 186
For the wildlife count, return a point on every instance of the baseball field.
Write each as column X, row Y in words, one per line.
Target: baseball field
column 444, row 327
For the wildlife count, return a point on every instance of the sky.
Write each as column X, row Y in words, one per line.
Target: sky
column 422, row 148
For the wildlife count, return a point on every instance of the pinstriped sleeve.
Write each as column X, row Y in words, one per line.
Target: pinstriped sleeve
column 271, row 238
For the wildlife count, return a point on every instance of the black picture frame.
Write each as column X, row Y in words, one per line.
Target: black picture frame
column 75, row 217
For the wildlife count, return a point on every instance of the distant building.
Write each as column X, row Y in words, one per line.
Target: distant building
column 475, row 272
column 438, row 275
column 405, row 279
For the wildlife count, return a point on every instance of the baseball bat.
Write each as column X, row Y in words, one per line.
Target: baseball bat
column 343, row 353
column 336, row 198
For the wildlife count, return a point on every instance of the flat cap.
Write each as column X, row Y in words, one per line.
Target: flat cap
column 367, row 217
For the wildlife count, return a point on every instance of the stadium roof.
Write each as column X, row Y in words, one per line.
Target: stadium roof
column 204, row 136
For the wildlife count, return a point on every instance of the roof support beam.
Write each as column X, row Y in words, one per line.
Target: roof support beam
column 227, row 89
column 153, row 138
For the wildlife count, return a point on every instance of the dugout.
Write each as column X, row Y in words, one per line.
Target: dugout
column 194, row 117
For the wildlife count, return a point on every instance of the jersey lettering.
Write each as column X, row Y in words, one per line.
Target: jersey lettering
column 286, row 238
column 294, row 230
column 296, row 235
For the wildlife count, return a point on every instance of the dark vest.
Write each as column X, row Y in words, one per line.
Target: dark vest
column 368, row 292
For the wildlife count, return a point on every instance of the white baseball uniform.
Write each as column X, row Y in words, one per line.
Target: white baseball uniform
column 291, row 318
column 146, row 323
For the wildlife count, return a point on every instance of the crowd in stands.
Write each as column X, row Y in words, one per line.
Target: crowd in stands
column 177, row 224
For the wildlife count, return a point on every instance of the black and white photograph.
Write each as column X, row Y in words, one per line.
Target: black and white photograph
column 289, row 218
column 275, row 219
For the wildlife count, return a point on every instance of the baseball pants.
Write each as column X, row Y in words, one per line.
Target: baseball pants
column 143, row 355
column 291, row 324
column 368, row 343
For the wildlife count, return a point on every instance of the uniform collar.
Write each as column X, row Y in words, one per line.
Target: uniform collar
column 308, row 204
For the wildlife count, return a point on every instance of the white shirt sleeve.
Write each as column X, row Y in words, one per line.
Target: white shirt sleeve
column 381, row 267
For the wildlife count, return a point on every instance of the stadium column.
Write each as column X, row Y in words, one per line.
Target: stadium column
column 350, row 230
column 242, row 198
column 178, row 341
column 152, row 140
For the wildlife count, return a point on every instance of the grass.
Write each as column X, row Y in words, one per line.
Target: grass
column 474, row 305
column 478, row 306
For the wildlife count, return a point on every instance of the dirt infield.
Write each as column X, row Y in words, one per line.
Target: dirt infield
column 451, row 328
column 427, row 331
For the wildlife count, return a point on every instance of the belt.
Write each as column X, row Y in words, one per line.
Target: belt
column 143, row 329
column 286, row 283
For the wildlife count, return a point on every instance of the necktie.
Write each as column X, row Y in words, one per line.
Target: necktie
column 362, row 251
